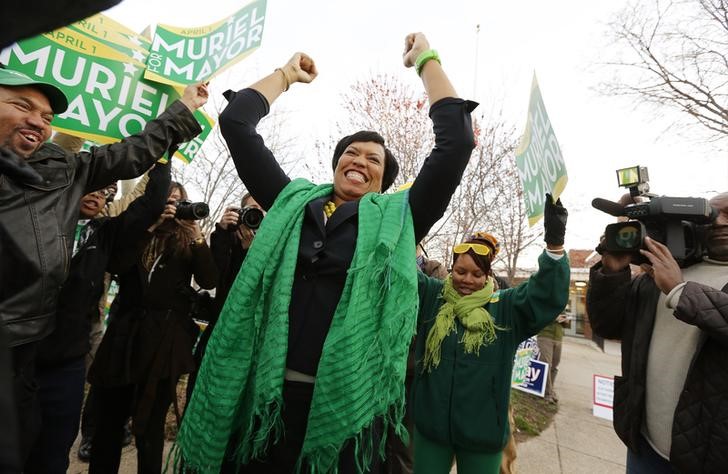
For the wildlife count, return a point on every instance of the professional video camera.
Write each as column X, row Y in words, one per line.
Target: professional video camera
column 191, row 211
column 251, row 217
column 678, row 222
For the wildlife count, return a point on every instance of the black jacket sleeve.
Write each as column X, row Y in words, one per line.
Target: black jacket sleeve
column 257, row 167
column 228, row 256
column 706, row 308
column 203, row 267
column 606, row 301
column 132, row 224
column 442, row 171
column 135, row 154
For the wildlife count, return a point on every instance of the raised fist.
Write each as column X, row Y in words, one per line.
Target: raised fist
column 300, row 68
column 414, row 45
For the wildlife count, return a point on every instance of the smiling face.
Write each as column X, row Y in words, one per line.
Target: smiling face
column 25, row 119
column 467, row 276
column 359, row 171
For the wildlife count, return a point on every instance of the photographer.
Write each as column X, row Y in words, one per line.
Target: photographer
column 229, row 243
column 148, row 344
column 671, row 402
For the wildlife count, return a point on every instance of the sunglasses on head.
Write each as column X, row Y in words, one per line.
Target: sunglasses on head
column 480, row 249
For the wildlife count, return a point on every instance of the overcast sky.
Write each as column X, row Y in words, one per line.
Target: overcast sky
column 562, row 41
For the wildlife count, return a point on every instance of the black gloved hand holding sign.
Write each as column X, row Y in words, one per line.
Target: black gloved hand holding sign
column 554, row 221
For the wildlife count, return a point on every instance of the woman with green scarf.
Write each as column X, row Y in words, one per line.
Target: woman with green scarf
column 467, row 336
column 305, row 368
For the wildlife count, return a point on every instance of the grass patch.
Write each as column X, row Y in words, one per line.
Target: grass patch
column 531, row 414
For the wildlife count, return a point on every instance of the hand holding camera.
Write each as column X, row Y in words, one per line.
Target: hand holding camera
column 230, row 218
column 168, row 214
column 678, row 222
column 663, row 267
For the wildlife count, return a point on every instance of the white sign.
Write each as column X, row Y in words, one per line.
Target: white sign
column 603, row 398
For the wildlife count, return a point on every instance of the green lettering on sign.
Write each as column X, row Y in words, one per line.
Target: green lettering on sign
column 539, row 161
column 181, row 56
column 108, row 97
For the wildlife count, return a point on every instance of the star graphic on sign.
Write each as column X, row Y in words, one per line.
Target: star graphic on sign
column 138, row 56
column 130, row 69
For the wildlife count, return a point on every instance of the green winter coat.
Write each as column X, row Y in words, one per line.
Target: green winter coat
column 464, row 401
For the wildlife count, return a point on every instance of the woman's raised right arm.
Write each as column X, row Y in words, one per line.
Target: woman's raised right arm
column 256, row 165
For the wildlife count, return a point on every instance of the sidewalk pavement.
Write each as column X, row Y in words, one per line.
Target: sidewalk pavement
column 576, row 441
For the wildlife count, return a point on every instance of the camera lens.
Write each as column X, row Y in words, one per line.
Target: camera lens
column 251, row 217
column 192, row 211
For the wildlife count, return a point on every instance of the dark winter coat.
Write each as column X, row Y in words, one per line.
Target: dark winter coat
column 623, row 308
column 79, row 298
column 464, row 401
column 37, row 221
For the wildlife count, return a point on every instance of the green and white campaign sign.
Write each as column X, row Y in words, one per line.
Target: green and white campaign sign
column 108, row 96
column 538, row 158
column 181, row 56
column 112, row 33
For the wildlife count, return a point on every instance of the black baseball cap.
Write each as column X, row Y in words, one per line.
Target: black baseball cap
column 56, row 97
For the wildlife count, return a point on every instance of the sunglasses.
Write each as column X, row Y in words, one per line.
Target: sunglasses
column 480, row 249
column 106, row 192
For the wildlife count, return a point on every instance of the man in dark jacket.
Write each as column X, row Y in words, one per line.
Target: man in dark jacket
column 671, row 402
column 37, row 221
column 61, row 366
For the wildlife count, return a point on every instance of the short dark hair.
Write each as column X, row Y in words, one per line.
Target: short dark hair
column 391, row 167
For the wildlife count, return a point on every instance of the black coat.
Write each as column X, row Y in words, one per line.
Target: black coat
column 79, row 298
column 624, row 308
column 229, row 256
column 37, row 221
column 325, row 251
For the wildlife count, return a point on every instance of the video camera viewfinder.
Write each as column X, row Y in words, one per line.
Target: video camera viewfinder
column 634, row 177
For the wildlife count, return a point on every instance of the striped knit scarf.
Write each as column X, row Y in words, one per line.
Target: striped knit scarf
column 360, row 376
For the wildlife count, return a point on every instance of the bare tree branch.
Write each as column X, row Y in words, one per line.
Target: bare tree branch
column 678, row 58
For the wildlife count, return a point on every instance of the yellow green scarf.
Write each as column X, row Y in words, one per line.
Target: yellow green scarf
column 470, row 311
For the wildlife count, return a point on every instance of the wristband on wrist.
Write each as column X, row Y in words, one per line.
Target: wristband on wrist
column 556, row 250
column 424, row 57
column 285, row 78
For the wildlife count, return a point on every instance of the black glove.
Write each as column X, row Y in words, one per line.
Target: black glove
column 13, row 166
column 554, row 221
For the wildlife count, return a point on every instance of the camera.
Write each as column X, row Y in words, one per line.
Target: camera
column 679, row 223
column 191, row 211
column 250, row 217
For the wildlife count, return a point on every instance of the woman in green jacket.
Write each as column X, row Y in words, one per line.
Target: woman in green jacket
column 468, row 333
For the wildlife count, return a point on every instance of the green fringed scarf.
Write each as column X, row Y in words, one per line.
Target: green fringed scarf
column 361, row 372
column 469, row 310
